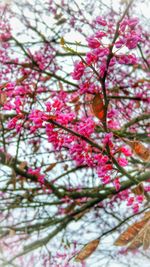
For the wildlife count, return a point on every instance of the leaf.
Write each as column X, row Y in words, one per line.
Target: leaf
column 138, row 190
column 142, row 238
column 3, row 98
column 62, row 41
column 129, row 234
column 146, row 241
column 58, row 16
column 136, row 235
column 50, row 167
column 147, row 215
column 61, row 21
column 139, row 149
column 98, row 107
column 87, row 250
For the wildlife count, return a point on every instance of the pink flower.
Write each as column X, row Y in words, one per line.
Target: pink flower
column 130, row 201
column 103, row 171
column 122, row 162
column 101, row 52
column 90, row 58
column 48, row 106
column 140, row 198
column 86, row 126
column 133, row 22
column 147, row 188
column 58, row 104
column 12, row 123
column 38, row 117
column 65, row 118
column 108, row 139
column 37, row 173
column 135, row 207
column 79, row 68
column 120, row 42
column 93, row 42
column 100, row 159
column 10, row 86
column 106, row 179
column 132, row 39
column 100, row 34
column 99, row 20
column 112, row 113
column 87, row 87
column 127, row 59
column 127, row 152
column 8, row 106
column 117, row 184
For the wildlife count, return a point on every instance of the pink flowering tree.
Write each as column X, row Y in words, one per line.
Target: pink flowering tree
column 74, row 133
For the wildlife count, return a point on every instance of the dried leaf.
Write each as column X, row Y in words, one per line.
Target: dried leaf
column 147, row 215
column 61, row 21
column 58, row 16
column 50, row 167
column 142, row 238
column 75, row 99
column 139, row 149
column 98, row 107
column 136, row 235
column 87, row 250
column 3, row 98
column 62, row 41
column 138, row 190
column 129, row 234
column 146, row 239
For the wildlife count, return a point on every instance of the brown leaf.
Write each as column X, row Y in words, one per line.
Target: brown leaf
column 138, row 190
column 142, row 238
column 98, row 107
column 61, row 21
column 146, row 239
column 50, row 167
column 87, row 250
column 129, row 234
column 75, row 99
column 139, row 149
column 62, row 41
column 58, row 16
column 3, row 98
column 136, row 235
column 147, row 215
